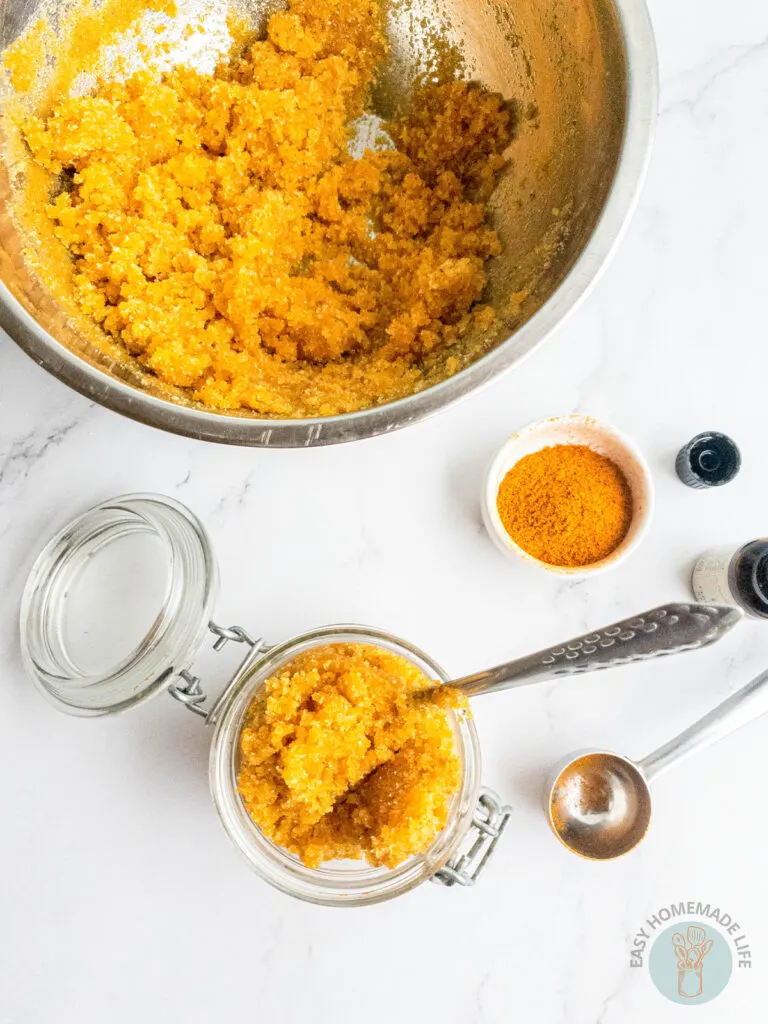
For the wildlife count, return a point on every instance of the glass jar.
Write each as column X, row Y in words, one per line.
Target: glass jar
column 115, row 611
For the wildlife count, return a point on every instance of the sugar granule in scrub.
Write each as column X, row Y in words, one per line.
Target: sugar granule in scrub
column 566, row 505
column 339, row 761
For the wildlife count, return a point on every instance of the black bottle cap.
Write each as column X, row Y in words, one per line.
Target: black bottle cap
column 748, row 577
column 760, row 579
column 708, row 460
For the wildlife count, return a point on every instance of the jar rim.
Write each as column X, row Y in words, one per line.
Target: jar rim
column 334, row 885
column 176, row 632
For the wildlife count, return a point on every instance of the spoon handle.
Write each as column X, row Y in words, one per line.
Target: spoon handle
column 665, row 630
column 743, row 707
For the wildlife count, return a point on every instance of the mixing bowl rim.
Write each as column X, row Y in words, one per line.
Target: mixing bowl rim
column 94, row 383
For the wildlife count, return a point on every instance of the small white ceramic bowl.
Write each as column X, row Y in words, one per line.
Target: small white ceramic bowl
column 601, row 438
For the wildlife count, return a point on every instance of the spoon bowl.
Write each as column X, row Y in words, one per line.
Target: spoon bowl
column 599, row 804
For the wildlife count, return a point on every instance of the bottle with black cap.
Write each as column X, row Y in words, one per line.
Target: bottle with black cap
column 740, row 577
column 708, row 460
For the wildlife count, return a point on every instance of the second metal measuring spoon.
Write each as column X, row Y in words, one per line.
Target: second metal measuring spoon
column 669, row 629
column 599, row 803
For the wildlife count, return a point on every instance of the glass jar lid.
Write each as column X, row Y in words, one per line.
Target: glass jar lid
column 117, row 604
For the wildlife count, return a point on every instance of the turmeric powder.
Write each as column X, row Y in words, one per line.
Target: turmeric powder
column 566, row 505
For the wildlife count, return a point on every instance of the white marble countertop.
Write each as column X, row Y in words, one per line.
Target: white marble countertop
column 121, row 898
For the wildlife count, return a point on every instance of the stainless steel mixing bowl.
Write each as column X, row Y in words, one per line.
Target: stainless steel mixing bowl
column 584, row 78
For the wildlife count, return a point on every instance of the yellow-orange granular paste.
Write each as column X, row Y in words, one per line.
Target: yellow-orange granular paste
column 222, row 233
column 338, row 761
column 566, row 505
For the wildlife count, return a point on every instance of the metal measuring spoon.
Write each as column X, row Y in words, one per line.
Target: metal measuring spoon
column 669, row 629
column 599, row 803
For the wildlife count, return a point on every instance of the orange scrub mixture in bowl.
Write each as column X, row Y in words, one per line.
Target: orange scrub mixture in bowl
column 337, row 760
column 222, row 234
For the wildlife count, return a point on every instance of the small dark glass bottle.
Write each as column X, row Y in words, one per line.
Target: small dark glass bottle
column 739, row 577
column 708, row 460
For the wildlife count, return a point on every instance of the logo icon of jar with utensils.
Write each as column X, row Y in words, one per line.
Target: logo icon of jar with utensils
column 690, row 962
column 690, row 950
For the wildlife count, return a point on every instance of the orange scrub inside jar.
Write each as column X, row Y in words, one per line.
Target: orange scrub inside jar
column 338, row 761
